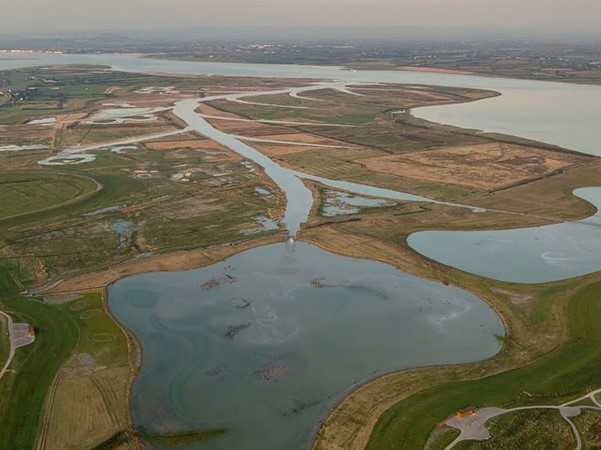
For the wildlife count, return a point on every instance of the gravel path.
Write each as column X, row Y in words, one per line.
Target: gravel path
column 474, row 427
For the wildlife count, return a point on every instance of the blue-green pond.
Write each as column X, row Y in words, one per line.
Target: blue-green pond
column 266, row 341
column 524, row 255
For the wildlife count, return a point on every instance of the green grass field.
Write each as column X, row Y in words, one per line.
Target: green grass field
column 565, row 373
column 26, row 193
column 22, row 392
column 60, row 331
column 4, row 341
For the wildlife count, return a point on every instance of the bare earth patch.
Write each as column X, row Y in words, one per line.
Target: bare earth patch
column 275, row 150
column 488, row 166
column 304, row 138
column 254, row 129
column 204, row 108
column 200, row 144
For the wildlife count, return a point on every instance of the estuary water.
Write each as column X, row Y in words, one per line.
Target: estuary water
column 264, row 342
column 524, row 255
column 563, row 114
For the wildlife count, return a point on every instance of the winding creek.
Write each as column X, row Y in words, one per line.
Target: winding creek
column 247, row 344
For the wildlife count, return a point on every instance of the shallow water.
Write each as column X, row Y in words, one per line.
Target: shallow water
column 265, row 341
column 124, row 229
column 525, row 255
column 17, row 148
column 341, row 203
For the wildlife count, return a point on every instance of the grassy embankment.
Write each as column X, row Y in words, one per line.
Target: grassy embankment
column 571, row 369
column 33, row 369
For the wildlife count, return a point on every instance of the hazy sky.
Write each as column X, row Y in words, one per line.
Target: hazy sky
column 564, row 17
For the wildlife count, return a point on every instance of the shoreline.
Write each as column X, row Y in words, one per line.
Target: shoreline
column 349, row 66
column 179, row 260
column 136, row 351
column 202, row 257
column 199, row 258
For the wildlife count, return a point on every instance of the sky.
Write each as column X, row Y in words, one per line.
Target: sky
column 168, row 18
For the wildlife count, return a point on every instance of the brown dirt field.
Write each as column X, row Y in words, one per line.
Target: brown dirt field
column 207, row 109
column 175, row 120
column 486, row 166
column 305, row 138
column 181, row 260
column 200, row 144
column 25, row 134
column 275, row 150
column 254, row 129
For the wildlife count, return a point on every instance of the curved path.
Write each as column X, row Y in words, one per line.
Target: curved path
column 474, row 427
column 19, row 336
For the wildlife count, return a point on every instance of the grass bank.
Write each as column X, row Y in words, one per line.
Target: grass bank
column 24, row 388
column 571, row 369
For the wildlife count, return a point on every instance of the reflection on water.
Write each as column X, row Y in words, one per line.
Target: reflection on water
column 526, row 255
column 264, row 342
column 564, row 114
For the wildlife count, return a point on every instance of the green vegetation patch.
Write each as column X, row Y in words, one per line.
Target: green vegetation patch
column 28, row 192
column 60, row 332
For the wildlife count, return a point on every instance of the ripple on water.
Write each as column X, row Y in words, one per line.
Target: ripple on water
column 266, row 352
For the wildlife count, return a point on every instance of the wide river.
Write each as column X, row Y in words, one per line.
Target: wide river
column 263, row 343
column 563, row 114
